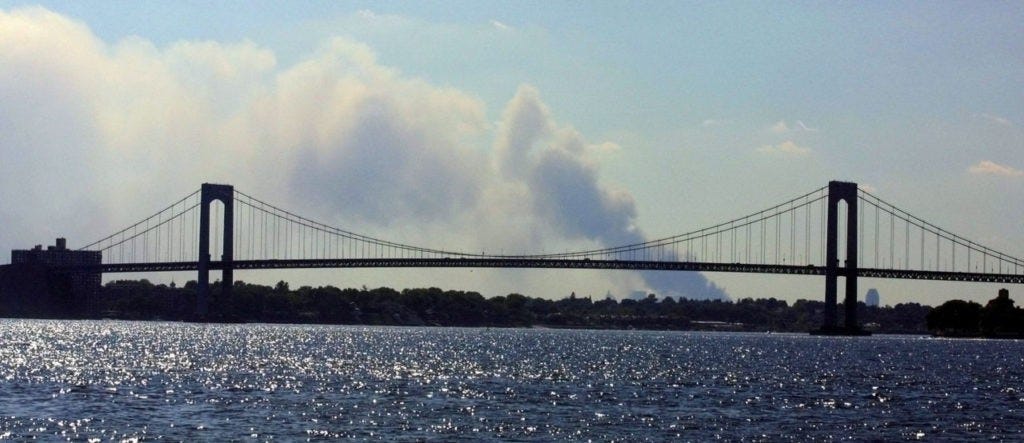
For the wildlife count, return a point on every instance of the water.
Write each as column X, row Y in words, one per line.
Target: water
column 109, row 380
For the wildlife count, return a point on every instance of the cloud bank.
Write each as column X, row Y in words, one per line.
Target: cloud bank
column 787, row 148
column 781, row 127
column 986, row 167
column 99, row 130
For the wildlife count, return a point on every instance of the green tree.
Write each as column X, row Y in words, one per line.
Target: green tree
column 1000, row 317
column 956, row 317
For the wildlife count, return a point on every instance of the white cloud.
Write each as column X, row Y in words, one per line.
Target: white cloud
column 986, row 167
column 779, row 128
column 788, row 148
column 500, row 25
column 360, row 139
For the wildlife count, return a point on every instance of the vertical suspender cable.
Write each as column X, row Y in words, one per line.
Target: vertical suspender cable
column 778, row 236
column 892, row 240
column 877, row 234
column 763, row 235
column 732, row 251
column 792, row 234
column 807, row 234
column 824, row 228
column 860, row 231
column 252, row 231
column 181, row 236
column 952, row 241
column 747, row 259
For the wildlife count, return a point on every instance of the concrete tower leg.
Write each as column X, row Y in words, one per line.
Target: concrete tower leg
column 841, row 192
column 226, row 195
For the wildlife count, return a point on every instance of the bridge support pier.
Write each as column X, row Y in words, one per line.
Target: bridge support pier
column 226, row 195
column 841, row 192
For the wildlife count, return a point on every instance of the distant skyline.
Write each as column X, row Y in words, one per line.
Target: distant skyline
column 515, row 126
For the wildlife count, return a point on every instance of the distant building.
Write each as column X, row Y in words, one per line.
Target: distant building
column 83, row 283
column 871, row 299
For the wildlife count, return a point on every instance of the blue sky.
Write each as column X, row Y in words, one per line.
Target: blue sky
column 699, row 112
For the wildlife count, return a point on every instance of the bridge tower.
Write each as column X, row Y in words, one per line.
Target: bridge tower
column 841, row 192
column 226, row 195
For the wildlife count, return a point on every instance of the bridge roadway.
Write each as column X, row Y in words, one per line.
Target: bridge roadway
column 536, row 263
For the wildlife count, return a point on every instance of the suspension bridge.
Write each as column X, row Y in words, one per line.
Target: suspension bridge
column 838, row 230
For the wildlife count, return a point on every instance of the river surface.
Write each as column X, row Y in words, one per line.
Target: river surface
column 112, row 380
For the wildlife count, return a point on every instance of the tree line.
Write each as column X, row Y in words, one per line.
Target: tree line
column 958, row 318
column 143, row 300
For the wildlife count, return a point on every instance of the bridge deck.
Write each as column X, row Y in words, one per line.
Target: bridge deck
column 559, row 264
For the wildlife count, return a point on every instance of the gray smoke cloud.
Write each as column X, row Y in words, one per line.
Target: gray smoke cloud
column 557, row 166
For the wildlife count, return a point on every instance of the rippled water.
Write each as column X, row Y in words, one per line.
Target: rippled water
column 126, row 380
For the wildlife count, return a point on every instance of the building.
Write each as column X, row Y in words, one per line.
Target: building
column 83, row 282
column 872, row 298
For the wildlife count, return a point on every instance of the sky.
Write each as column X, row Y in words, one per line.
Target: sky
column 515, row 126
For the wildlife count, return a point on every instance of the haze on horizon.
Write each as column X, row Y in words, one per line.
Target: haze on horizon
column 522, row 127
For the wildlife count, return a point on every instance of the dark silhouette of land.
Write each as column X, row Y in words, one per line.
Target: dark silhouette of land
column 998, row 319
column 142, row 300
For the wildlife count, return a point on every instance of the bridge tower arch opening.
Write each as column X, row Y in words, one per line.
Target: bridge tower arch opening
column 225, row 194
column 844, row 193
